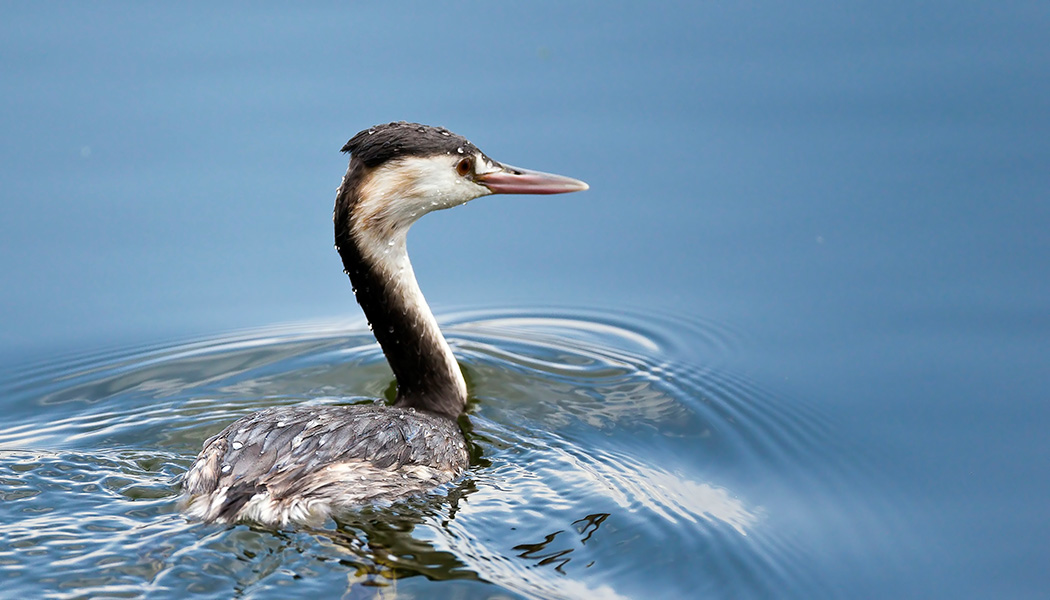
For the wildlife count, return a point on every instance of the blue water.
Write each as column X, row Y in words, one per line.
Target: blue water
column 793, row 342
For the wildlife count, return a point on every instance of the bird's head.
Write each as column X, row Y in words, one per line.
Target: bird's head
column 401, row 171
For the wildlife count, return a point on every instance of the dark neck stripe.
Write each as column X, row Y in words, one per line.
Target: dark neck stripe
column 417, row 358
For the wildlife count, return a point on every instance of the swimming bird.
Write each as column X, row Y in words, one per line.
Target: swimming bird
column 304, row 464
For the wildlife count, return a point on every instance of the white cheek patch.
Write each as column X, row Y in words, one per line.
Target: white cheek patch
column 396, row 194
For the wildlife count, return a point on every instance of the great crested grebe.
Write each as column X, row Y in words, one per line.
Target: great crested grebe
column 304, row 464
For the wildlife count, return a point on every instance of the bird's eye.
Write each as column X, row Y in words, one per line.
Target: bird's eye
column 465, row 166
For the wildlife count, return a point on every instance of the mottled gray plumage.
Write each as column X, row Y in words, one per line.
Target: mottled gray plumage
column 306, row 463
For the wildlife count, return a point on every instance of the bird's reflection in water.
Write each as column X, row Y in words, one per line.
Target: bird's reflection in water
column 383, row 545
column 378, row 544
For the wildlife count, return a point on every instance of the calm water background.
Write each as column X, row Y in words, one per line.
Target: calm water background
column 805, row 305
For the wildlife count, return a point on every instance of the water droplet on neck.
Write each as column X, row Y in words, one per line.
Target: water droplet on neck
column 460, row 149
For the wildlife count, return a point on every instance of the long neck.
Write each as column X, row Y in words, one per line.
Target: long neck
column 376, row 260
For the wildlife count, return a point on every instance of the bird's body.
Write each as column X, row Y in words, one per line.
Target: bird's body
column 287, row 465
column 304, row 464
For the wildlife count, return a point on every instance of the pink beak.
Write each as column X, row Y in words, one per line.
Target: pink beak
column 512, row 180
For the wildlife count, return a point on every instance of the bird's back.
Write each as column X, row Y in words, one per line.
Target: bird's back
column 303, row 464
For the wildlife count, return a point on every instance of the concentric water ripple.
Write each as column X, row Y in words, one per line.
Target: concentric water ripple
column 616, row 457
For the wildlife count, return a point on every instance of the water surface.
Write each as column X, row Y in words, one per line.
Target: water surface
column 602, row 460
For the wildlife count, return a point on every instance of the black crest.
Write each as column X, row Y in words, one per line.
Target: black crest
column 378, row 144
